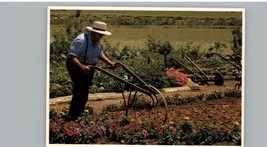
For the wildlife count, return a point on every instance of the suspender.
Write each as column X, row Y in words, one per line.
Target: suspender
column 87, row 42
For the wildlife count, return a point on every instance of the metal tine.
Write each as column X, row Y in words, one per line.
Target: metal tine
column 172, row 59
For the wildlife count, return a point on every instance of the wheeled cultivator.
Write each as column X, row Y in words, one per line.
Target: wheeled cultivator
column 235, row 62
column 200, row 77
column 141, row 99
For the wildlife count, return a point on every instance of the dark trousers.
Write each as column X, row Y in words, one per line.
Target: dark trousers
column 81, row 83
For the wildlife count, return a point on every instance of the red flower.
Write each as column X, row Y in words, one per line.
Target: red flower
column 53, row 126
column 132, row 125
column 53, row 123
column 127, row 132
column 54, row 129
column 113, row 127
column 160, row 129
column 65, row 127
column 73, row 124
column 180, row 77
column 70, row 133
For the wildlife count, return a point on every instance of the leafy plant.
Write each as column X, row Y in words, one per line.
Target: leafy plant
column 112, row 108
column 208, row 136
column 235, row 135
column 89, row 128
column 186, row 127
column 217, row 47
column 192, row 51
column 156, row 46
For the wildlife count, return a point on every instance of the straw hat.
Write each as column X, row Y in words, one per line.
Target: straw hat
column 99, row 27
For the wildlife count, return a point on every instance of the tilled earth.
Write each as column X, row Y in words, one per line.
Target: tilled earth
column 220, row 113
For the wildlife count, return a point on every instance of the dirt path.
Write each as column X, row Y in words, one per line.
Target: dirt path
column 98, row 104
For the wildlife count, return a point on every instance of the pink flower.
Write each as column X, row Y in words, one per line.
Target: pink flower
column 118, row 131
column 100, row 123
column 77, row 130
column 172, row 129
column 144, row 133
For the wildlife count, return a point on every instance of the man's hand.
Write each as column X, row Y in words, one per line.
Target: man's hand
column 105, row 59
column 115, row 65
column 86, row 68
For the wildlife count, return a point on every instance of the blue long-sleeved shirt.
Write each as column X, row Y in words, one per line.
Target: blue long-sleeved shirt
column 78, row 48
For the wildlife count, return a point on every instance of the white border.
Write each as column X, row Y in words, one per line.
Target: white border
column 146, row 8
column 138, row 9
column 133, row 1
column 243, row 75
column 47, row 76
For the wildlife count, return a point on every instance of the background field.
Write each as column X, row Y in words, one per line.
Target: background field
column 176, row 36
column 132, row 28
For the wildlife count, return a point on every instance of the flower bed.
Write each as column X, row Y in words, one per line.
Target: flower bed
column 89, row 130
column 107, row 129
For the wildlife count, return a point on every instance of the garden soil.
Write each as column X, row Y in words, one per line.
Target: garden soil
column 220, row 113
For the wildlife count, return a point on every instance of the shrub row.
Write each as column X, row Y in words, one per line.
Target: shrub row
column 127, row 20
column 177, row 100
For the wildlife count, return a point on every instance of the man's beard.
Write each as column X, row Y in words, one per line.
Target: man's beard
column 95, row 44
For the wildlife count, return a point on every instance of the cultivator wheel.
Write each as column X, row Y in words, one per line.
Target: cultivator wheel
column 159, row 116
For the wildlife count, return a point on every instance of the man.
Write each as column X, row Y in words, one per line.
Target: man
column 84, row 52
